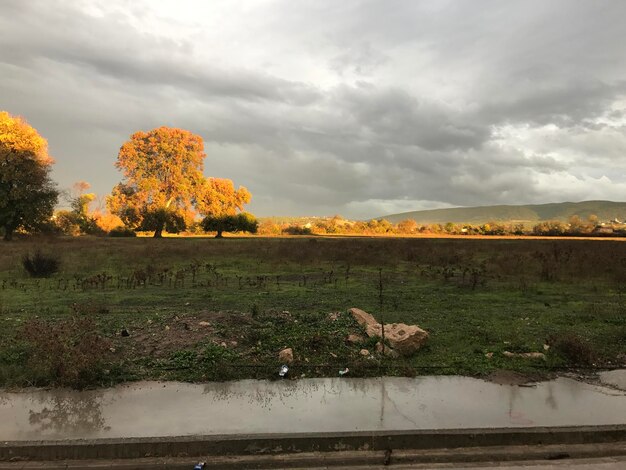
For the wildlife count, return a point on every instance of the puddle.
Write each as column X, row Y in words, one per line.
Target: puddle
column 149, row 409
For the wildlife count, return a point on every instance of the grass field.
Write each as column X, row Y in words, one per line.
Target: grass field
column 207, row 309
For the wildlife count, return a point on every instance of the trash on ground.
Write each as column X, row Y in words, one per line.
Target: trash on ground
column 283, row 370
column 343, row 372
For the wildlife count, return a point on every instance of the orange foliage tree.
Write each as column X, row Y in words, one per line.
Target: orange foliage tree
column 27, row 194
column 219, row 202
column 219, row 197
column 163, row 177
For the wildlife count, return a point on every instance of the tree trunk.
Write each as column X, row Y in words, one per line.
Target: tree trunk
column 158, row 233
column 219, row 234
column 8, row 234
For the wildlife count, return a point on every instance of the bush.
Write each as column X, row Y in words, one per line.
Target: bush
column 574, row 348
column 40, row 265
column 122, row 232
column 297, row 230
column 66, row 353
column 551, row 228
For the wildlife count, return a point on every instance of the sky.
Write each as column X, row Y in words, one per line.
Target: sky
column 320, row 107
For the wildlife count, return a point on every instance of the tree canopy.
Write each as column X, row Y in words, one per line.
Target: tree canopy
column 218, row 197
column 242, row 222
column 162, row 172
column 78, row 220
column 27, row 194
column 164, row 186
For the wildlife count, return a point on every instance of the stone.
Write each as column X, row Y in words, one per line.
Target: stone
column 527, row 355
column 334, row 316
column 286, row 355
column 362, row 317
column 355, row 339
column 405, row 339
column 204, row 324
column 364, row 352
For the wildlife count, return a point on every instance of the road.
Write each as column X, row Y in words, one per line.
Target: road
column 617, row 463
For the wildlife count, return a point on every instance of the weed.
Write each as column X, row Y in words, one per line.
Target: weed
column 69, row 352
column 574, row 348
column 40, row 265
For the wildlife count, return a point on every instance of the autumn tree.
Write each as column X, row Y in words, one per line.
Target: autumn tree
column 219, row 202
column 27, row 194
column 78, row 220
column 576, row 224
column 163, row 178
column 407, row 226
column 218, row 197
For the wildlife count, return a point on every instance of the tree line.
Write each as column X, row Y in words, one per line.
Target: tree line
column 163, row 188
column 575, row 226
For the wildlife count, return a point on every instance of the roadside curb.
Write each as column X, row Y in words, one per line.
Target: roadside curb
column 349, row 459
column 282, row 444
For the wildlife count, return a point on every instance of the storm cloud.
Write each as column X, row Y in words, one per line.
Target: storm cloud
column 322, row 107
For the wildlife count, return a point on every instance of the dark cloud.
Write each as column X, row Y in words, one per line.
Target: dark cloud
column 327, row 107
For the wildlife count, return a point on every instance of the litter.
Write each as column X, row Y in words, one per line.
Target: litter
column 343, row 372
column 283, row 370
column 200, row 466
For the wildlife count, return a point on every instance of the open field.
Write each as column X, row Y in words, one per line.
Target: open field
column 255, row 296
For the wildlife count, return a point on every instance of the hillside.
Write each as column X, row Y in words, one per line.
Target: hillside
column 562, row 211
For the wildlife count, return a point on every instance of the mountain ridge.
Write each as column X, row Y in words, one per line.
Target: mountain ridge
column 526, row 213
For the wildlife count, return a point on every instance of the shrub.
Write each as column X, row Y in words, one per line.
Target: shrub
column 67, row 353
column 550, row 228
column 40, row 265
column 122, row 232
column 574, row 348
column 297, row 230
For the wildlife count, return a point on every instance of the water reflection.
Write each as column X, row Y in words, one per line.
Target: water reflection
column 68, row 414
column 308, row 405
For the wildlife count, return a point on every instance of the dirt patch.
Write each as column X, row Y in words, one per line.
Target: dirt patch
column 159, row 340
column 509, row 377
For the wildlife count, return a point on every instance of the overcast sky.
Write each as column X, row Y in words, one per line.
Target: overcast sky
column 322, row 107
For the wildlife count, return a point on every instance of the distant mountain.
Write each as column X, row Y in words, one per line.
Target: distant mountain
column 562, row 211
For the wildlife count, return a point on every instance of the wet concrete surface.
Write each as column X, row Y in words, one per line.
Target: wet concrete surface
column 153, row 409
column 614, row 378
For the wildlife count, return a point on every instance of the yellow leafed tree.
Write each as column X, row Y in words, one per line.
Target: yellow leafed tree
column 162, row 172
column 27, row 194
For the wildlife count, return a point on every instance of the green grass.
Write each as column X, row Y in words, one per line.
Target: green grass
column 522, row 292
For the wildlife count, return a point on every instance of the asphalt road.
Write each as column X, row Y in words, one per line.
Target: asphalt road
column 616, row 463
